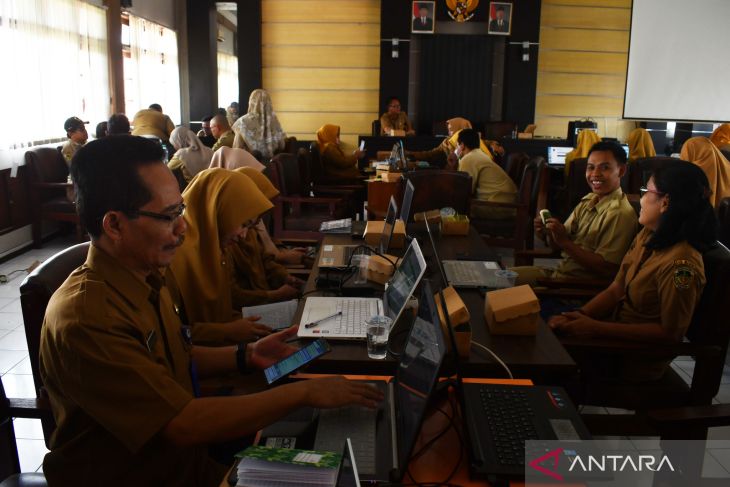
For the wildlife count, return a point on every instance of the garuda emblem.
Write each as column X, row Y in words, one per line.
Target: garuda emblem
column 461, row 11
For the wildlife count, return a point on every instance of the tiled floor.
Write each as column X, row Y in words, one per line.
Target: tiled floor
column 18, row 380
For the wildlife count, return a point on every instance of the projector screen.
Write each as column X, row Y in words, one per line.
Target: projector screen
column 679, row 66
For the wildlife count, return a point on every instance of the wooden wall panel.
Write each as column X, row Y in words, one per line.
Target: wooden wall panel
column 579, row 106
column 321, row 64
column 590, row 3
column 582, row 62
column 586, row 17
column 584, row 40
column 581, row 84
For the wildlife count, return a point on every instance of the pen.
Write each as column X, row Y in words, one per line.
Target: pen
column 317, row 322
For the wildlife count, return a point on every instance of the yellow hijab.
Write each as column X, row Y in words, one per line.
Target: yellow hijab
column 640, row 144
column 327, row 134
column 261, row 181
column 458, row 123
column 218, row 201
column 721, row 136
column 586, row 140
column 703, row 153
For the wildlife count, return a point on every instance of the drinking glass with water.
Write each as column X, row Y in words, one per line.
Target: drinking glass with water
column 378, row 330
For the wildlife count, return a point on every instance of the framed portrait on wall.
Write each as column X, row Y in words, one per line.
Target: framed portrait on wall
column 500, row 18
column 423, row 19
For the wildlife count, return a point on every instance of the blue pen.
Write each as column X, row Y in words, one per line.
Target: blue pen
column 317, row 322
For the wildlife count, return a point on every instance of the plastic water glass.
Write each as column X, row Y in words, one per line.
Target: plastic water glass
column 506, row 278
column 360, row 261
column 378, row 330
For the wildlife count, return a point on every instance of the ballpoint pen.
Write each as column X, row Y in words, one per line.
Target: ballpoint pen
column 317, row 322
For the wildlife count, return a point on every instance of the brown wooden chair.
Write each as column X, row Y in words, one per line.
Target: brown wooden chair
column 668, row 406
column 10, row 475
column 297, row 215
column 436, row 188
column 35, row 292
column 48, row 176
column 316, row 173
column 515, row 165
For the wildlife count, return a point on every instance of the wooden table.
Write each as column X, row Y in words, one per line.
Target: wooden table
column 541, row 358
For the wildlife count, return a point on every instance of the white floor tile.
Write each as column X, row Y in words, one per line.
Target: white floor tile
column 711, row 467
column 20, row 386
column 10, row 321
column 10, row 290
column 12, row 307
column 646, row 442
column 10, row 358
column 15, row 340
column 23, row 368
column 719, row 433
column 722, row 456
column 31, row 453
column 723, row 395
column 28, row 428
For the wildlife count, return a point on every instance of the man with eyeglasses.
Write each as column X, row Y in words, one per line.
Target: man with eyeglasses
column 116, row 356
column 395, row 122
column 595, row 237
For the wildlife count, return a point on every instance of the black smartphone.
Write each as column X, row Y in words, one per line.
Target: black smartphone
column 299, row 358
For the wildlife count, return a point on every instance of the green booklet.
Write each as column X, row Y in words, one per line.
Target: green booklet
column 308, row 458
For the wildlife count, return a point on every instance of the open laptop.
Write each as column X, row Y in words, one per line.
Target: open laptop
column 339, row 255
column 347, row 475
column 405, row 207
column 464, row 273
column 498, row 419
column 556, row 155
column 383, row 439
column 354, row 311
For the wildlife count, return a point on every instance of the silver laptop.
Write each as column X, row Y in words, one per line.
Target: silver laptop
column 339, row 255
column 464, row 273
column 344, row 318
column 556, row 155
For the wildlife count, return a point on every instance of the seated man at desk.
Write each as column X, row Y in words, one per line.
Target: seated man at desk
column 394, row 121
column 595, row 237
column 116, row 357
column 489, row 182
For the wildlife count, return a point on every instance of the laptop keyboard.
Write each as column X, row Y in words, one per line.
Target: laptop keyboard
column 354, row 422
column 464, row 272
column 354, row 314
column 509, row 416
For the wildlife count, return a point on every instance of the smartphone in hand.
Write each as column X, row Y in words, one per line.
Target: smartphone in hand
column 545, row 216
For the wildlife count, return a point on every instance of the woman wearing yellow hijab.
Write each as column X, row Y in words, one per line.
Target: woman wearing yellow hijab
column 703, row 153
column 438, row 156
column 256, row 278
column 336, row 164
column 640, row 145
column 721, row 137
column 220, row 207
column 586, row 139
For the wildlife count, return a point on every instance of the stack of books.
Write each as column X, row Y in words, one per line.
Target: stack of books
column 281, row 467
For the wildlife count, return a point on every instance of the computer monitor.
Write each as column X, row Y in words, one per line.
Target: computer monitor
column 626, row 149
column 556, row 155
column 388, row 226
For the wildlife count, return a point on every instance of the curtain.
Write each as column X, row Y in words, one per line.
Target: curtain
column 227, row 79
column 151, row 73
column 55, row 66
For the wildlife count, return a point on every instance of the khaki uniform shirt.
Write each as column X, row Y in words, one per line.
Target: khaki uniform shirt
column 489, row 183
column 225, row 140
column 605, row 227
column 69, row 149
column 152, row 122
column 337, row 165
column 661, row 286
column 400, row 123
column 117, row 370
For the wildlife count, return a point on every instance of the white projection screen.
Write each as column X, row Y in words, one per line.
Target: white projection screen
column 679, row 61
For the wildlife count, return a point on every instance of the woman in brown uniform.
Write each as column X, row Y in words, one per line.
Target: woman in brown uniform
column 336, row 164
column 661, row 278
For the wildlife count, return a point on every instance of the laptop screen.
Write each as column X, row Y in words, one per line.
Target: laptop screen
column 556, row 155
column 347, row 476
column 388, row 226
column 417, row 373
column 405, row 210
column 435, row 252
column 404, row 281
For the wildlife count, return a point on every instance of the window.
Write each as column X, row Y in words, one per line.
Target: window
column 227, row 79
column 55, row 65
column 151, row 73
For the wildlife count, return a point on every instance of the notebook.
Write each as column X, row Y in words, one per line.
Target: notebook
column 350, row 324
column 384, row 454
column 282, row 467
column 339, row 255
column 464, row 273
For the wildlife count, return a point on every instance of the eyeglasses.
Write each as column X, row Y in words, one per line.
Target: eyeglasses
column 643, row 190
column 170, row 217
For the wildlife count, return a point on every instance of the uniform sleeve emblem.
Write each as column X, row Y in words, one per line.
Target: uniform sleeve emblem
column 684, row 274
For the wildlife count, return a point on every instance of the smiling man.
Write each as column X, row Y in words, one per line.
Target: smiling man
column 116, row 357
column 595, row 237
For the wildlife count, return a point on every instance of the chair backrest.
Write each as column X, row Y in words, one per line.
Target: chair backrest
column 289, row 175
column 46, row 165
column 376, row 127
column 314, row 162
column 527, row 183
column 576, row 184
column 439, row 189
column 541, row 183
column 723, row 215
column 9, row 462
column 516, row 163
column 35, row 292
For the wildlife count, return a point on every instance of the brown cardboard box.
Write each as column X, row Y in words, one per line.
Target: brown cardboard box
column 391, row 176
column 374, row 230
column 459, row 318
column 379, row 269
column 455, row 225
column 433, row 216
column 512, row 311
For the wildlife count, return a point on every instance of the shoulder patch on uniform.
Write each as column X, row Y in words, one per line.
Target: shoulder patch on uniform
column 684, row 274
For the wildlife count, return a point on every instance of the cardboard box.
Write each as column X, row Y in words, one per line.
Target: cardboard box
column 512, row 311
column 397, row 133
column 379, row 269
column 459, row 318
column 433, row 216
column 391, row 176
column 455, row 225
column 374, row 230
